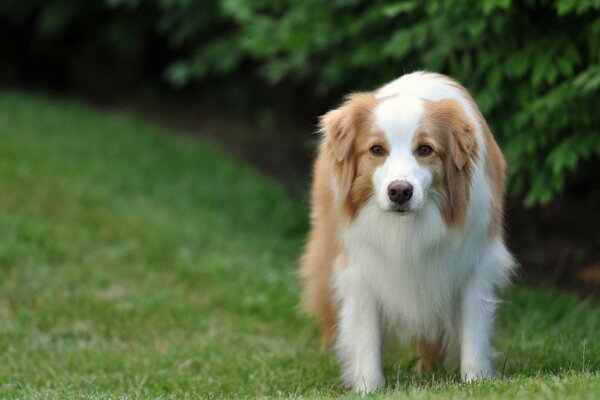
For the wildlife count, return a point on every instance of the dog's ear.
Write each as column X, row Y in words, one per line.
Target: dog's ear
column 335, row 127
column 462, row 144
column 461, row 133
column 339, row 127
column 461, row 152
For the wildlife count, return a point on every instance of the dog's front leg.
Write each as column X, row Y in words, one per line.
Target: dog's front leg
column 359, row 339
column 477, row 312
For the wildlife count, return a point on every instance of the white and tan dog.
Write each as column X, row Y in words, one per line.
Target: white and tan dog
column 407, row 231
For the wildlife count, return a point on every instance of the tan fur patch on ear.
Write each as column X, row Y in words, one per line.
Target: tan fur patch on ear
column 463, row 145
column 334, row 124
column 450, row 116
column 340, row 128
column 495, row 166
column 457, row 133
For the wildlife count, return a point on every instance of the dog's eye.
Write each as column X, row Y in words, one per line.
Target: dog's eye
column 377, row 150
column 424, row 150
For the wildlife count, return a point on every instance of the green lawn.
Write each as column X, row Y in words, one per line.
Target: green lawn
column 136, row 263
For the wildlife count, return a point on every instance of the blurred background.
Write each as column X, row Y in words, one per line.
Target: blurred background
column 253, row 76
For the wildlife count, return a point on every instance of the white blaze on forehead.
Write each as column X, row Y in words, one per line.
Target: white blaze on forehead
column 434, row 87
column 399, row 118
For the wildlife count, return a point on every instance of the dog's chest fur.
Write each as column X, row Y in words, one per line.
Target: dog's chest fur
column 415, row 265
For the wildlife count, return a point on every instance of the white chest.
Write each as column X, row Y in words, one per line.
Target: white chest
column 414, row 265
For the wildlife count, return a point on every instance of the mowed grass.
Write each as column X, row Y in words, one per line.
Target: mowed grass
column 140, row 264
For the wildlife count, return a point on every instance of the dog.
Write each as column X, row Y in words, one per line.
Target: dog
column 406, row 230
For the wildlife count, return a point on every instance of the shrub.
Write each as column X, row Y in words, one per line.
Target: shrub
column 533, row 65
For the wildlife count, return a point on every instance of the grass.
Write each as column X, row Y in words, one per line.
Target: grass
column 140, row 264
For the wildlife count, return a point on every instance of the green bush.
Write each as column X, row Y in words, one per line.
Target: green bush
column 533, row 65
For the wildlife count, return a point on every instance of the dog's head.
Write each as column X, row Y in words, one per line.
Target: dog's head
column 403, row 152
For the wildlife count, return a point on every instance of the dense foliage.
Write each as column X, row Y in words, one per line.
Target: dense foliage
column 533, row 65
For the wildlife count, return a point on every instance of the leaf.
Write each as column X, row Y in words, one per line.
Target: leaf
column 403, row 7
column 489, row 6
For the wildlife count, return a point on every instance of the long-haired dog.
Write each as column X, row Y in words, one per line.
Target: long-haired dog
column 406, row 228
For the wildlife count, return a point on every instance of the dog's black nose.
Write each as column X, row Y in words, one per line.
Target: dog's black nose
column 400, row 191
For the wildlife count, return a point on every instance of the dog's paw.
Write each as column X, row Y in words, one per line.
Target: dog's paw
column 368, row 384
column 470, row 374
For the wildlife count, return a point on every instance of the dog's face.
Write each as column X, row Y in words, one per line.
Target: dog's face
column 403, row 152
column 403, row 181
